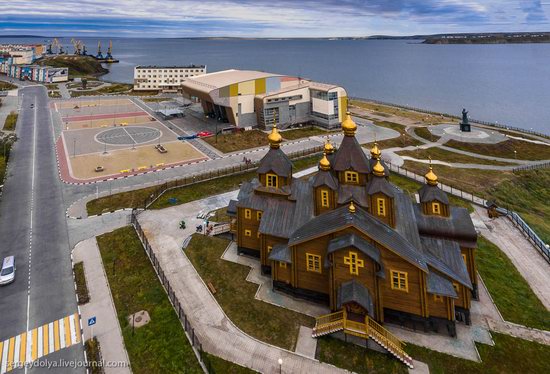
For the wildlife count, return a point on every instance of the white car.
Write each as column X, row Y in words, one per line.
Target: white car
column 7, row 272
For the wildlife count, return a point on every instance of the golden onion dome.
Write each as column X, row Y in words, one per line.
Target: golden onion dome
column 324, row 164
column 375, row 151
column 378, row 168
column 348, row 125
column 274, row 138
column 351, row 207
column 329, row 148
column 431, row 178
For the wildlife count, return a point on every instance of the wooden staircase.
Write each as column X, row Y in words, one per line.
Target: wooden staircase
column 338, row 321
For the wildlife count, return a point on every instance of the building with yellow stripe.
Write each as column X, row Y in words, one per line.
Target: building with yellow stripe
column 247, row 98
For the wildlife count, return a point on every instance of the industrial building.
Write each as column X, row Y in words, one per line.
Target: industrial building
column 164, row 78
column 247, row 98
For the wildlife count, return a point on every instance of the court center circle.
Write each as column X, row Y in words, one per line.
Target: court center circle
column 128, row 135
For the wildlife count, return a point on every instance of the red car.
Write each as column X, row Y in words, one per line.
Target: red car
column 203, row 134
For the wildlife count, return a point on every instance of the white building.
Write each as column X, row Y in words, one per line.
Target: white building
column 165, row 78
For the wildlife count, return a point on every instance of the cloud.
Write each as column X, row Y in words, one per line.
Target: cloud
column 279, row 18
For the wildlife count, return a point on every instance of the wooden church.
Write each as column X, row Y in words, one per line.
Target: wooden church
column 349, row 238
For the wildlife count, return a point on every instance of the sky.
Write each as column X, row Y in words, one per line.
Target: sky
column 268, row 18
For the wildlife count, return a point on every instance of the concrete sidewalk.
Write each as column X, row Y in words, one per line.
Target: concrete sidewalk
column 522, row 253
column 217, row 333
column 107, row 329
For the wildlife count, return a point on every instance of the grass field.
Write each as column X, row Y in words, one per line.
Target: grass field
column 133, row 199
column 79, row 66
column 357, row 359
column 394, row 111
column 443, row 155
column 425, row 133
column 81, row 287
column 527, row 194
column 161, row 345
column 11, row 121
column 5, row 86
column 305, row 132
column 269, row 323
column 524, row 150
column 238, row 140
column 217, row 365
column 476, row 181
column 512, row 294
column 509, row 355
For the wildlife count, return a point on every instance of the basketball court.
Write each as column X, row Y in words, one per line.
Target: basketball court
column 106, row 137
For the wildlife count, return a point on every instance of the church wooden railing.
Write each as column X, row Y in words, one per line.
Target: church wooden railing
column 384, row 336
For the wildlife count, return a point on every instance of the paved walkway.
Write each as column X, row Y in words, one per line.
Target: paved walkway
column 218, row 335
column 532, row 266
column 9, row 104
column 101, row 305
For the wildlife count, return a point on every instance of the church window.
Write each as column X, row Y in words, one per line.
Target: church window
column 247, row 214
column 381, row 207
column 351, row 177
column 354, row 263
column 456, row 286
column 259, row 215
column 436, row 208
column 269, row 248
column 272, row 180
column 258, row 234
column 399, row 281
column 282, row 265
column 464, row 258
column 313, row 263
column 438, row 298
column 247, row 232
column 324, row 198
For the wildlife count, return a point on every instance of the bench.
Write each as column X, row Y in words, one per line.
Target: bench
column 211, row 288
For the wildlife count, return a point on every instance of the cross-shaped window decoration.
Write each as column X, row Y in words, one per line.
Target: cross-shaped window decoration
column 354, row 263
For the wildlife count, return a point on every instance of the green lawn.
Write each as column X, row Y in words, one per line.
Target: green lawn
column 266, row 322
column 425, row 133
column 184, row 194
column 443, row 155
column 81, row 287
column 5, row 86
column 477, row 181
column 357, row 359
column 11, row 121
column 4, row 160
column 509, row 355
column 524, row 150
column 238, row 140
column 528, row 194
column 217, row 365
column 160, row 346
column 514, row 298
column 304, row 132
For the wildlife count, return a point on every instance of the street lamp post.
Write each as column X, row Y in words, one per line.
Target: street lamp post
column 280, row 362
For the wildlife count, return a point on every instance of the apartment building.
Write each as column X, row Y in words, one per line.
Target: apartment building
column 164, row 78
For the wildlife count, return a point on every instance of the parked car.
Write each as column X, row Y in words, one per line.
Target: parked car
column 203, row 134
column 7, row 272
column 187, row 137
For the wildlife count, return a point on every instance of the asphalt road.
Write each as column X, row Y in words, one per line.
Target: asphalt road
column 34, row 229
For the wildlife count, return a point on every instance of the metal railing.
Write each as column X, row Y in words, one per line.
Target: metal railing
column 532, row 167
column 217, row 173
column 184, row 320
column 472, row 120
column 539, row 244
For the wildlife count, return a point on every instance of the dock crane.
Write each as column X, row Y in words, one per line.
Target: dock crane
column 109, row 56
column 84, row 51
column 99, row 55
column 53, row 45
column 77, row 45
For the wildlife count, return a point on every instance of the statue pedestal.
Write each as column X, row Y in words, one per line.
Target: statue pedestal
column 465, row 127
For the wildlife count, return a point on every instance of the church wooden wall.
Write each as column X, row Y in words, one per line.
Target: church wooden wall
column 252, row 224
column 332, row 200
column 390, row 209
column 269, row 241
column 308, row 280
column 280, row 273
column 438, row 308
column 470, row 263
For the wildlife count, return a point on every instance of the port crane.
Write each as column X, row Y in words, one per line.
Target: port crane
column 77, row 45
column 109, row 56
column 99, row 55
column 55, row 46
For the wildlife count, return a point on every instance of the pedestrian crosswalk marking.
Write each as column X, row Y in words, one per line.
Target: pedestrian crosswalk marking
column 39, row 342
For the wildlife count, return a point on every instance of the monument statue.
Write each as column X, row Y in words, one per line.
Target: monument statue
column 465, row 124
column 464, row 116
